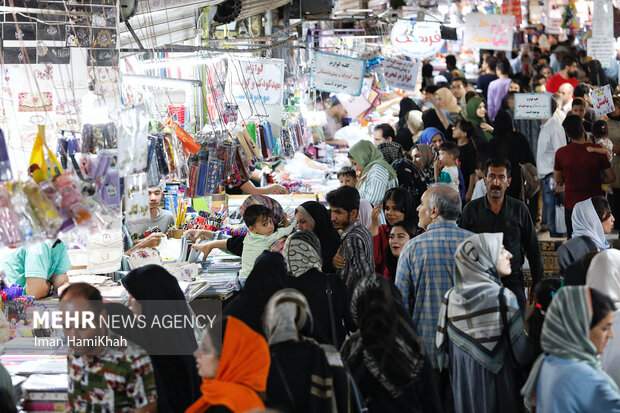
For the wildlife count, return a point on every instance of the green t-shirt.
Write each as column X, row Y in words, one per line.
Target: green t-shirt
column 35, row 261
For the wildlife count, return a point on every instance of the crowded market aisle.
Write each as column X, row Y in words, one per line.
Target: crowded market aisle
column 243, row 207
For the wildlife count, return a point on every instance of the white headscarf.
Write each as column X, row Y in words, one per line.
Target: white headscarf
column 604, row 273
column 286, row 313
column 587, row 223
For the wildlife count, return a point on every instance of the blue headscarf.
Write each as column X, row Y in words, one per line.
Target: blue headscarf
column 427, row 135
column 586, row 222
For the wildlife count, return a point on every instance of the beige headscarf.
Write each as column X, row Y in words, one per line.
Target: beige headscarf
column 448, row 101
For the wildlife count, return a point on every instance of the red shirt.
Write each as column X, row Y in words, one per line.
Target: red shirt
column 381, row 244
column 582, row 172
column 555, row 81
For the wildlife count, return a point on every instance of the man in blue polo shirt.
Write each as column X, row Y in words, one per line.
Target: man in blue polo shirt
column 37, row 267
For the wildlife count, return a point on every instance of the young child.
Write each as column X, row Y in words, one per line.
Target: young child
column 445, row 167
column 347, row 176
column 599, row 135
column 261, row 234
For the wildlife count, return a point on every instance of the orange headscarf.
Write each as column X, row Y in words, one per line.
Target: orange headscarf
column 243, row 371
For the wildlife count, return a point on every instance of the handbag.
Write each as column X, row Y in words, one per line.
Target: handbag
column 523, row 361
column 560, row 222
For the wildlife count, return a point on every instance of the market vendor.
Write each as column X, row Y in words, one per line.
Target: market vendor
column 37, row 267
column 160, row 218
column 334, row 115
column 249, row 188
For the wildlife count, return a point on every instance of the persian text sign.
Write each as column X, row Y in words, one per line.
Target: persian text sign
column 602, row 50
column 256, row 79
column 532, row 106
column 602, row 100
column 338, row 74
column 401, row 74
column 418, row 40
column 489, row 31
column 512, row 7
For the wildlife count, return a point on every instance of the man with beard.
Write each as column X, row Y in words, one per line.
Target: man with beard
column 355, row 257
column 128, row 384
column 497, row 212
column 568, row 74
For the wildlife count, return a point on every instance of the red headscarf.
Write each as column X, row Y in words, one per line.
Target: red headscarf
column 243, row 371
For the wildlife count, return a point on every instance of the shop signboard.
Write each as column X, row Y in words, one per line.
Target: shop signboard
column 338, row 74
column 513, row 7
column 602, row 19
column 256, row 80
column 489, row 31
column 401, row 74
column 532, row 106
column 417, row 40
column 602, row 101
column 602, row 49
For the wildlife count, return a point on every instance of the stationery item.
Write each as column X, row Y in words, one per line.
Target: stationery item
column 72, row 199
column 6, row 174
column 10, row 235
column 46, row 213
column 137, row 198
column 111, row 187
column 133, row 144
column 213, row 177
column 51, row 192
column 189, row 144
column 27, row 221
column 144, row 257
column 105, row 251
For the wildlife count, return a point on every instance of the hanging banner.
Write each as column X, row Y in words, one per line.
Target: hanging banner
column 602, row 19
column 512, row 7
column 602, row 101
column 602, row 50
column 417, row 40
column 256, row 80
column 401, row 74
column 489, row 31
column 338, row 74
column 532, row 106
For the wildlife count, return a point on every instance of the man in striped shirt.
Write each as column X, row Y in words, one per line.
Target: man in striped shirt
column 355, row 257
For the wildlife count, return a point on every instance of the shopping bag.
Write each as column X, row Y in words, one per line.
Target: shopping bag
column 38, row 154
column 560, row 223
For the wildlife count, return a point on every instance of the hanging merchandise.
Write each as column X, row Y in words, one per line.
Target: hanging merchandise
column 99, row 136
column 37, row 157
column 44, row 210
column 152, row 168
column 136, row 198
column 27, row 221
column 133, row 145
column 10, row 236
column 231, row 113
column 72, row 200
column 6, row 174
column 167, row 142
column 189, row 144
column 51, row 192
column 110, row 186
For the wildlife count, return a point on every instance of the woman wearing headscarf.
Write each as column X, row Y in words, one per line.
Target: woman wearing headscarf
column 386, row 356
column 446, row 101
column 154, row 293
column 313, row 216
column 266, row 278
column 300, row 378
column 233, row 367
column 392, row 152
column 604, row 276
column 397, row 206
column 432, row 137
column 403, row 134
column 424, row 157
column 377, row 175
column 470, row 332
column 513, row 146
column 591, row 219
column 568, row 377
column 234, row 244
column 431, row 119
column 302, row 254
column 476, row 113
column 415, row 125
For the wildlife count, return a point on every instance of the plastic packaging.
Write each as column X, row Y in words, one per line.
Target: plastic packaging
column 72, row 200
column 10, row 234
column 136, row 198
column 6, row 174
column 46, row 213
column 133, row 144
column 51, row 192
column 27, row 220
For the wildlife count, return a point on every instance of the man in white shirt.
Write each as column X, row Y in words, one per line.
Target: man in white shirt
column 566, row 94
column 550, row 139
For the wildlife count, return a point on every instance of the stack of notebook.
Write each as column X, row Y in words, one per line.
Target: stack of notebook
column 45, row 393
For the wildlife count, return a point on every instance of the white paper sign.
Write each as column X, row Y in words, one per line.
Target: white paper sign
column 417, row 40
column 532, row 106
column 355, row 105
column 602, row 101
column 338, row 74
column 602, row 50
column 489, row 31
column 401, row 74
column 602, row 19
column 255, row 79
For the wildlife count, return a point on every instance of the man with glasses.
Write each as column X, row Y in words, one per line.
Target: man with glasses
column 459, row 90
column 497, row 212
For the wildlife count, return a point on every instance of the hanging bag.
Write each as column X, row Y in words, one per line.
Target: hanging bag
column 38, row 155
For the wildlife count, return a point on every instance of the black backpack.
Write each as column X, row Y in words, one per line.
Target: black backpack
column 409, row 177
